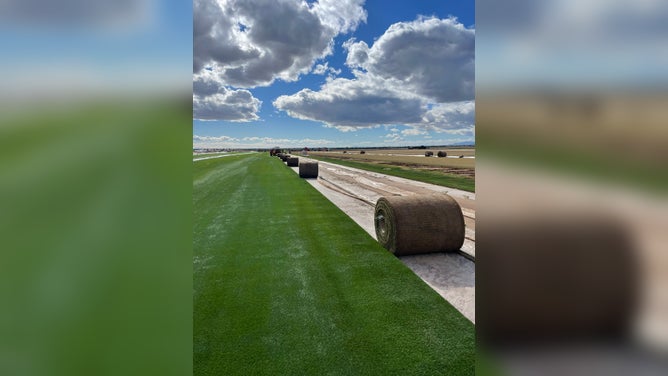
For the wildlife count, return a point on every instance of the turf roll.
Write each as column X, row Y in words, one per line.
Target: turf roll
column 558, row 278
column 293, row 161
column 419, row 224
column 308, row 169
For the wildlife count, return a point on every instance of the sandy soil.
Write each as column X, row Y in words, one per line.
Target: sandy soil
column 355, row 192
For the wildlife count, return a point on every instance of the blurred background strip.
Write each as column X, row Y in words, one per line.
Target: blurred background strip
column 572, row 119
column 95, row 192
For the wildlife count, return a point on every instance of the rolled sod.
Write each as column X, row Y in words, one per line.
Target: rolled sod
column 558, row 278
column 308, row 170
column 419, row 224
column 293, row 161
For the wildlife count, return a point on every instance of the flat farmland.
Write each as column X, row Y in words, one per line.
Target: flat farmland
column 455, row 152
column 408, row 157
column 411, row 164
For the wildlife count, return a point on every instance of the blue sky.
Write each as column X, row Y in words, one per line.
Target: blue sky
column 333, row 73
column 73, row 48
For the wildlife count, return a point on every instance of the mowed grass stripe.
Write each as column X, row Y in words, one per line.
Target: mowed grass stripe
column 285, row 283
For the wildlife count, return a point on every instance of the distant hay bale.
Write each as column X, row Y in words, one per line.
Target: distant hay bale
column 308, row 169
column 284, row 157
column 362, row 152
column 442, row 154
column 428, row 153
column 416, row 224
column 461, row 156
column 293, row 162
column 345, row 152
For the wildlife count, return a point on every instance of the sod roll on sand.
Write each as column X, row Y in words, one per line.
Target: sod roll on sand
column 419, row 224
column 558, row 278
column 308, row 170
column 293, row 161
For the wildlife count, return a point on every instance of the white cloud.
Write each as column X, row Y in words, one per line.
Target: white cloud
column 340, row 15
column 393, row 137
column 358, row 53
column 256, row 142
column 242, row 44
column 197, row 138
column 434, row 57
column 251, row 43
column 320, row 69
column 213, row 101
column 418, row 73
column 451, row 116
column 325, row 68
column 413, row 132
column 361, row 103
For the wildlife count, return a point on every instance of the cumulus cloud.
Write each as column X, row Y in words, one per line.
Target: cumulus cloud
column 92, row 14
column 213, row 101
column 413, row 132
column 418, row 73
column 360, row 102
column 393, row 137
column 434, row 57
column 251, row 43
column 255, row 142
column 243, row 44
column 451, row 116
column 320, row 69
column 326, row 69
column 197, row 138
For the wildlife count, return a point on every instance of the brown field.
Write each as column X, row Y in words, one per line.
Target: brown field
column 467, row 152
column 411, row 158
column 406, row 157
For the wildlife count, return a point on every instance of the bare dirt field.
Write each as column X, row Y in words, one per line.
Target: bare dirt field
column 414, row 158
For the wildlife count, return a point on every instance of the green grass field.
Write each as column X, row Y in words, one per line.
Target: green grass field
column 432, row 177
column 96, row 273
column 286, row 284
column 207, row 155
